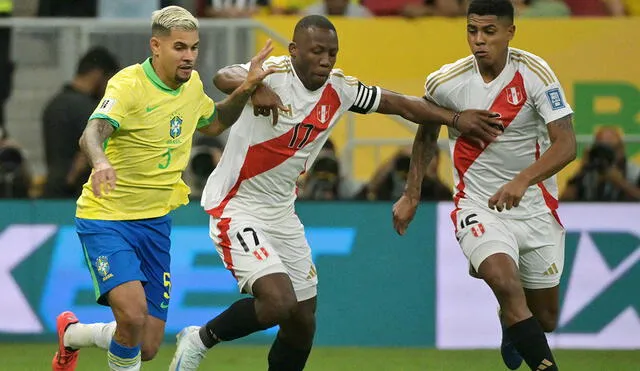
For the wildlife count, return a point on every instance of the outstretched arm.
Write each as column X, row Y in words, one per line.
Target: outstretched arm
column 483, row 125
column 264, row 100
column 424, row 149
column 561, row 152
column 231, row 107
column 229, row 78
column 91, row 142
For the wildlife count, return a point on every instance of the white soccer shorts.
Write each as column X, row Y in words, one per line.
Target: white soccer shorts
column 251, row 249
column 536, row 244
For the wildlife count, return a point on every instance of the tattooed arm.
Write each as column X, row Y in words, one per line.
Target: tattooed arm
column 103, row 177
column 561, row 152
column 92, row 140
column 424, row 149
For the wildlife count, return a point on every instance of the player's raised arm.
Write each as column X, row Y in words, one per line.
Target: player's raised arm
column 231, row 107
column 91, row 143
column 229, row 78
column 264, row 100
column 479, row 124
column 425, row 146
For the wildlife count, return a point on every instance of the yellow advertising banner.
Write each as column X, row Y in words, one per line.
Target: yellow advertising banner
column 596, row 60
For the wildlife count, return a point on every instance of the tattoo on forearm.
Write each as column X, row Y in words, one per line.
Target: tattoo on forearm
column 424, row 149
column 104, row 130
column 95, row 134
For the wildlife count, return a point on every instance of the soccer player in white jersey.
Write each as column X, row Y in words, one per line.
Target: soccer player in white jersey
column 250, row 196
column 505, row 190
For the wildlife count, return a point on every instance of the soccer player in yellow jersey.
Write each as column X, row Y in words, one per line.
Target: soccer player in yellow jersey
column 138, row 141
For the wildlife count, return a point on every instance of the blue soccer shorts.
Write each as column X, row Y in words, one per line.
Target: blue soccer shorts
column 117, row 252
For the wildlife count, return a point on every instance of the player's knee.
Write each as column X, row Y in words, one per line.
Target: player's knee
column 283, row 307
column 131, row 319
column 502, row 285
column 300, row 329
column 149, row 351
column 548, row 320
column 277, row 307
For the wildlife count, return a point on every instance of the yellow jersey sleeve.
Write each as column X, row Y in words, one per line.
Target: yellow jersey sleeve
column 119, row 99
column 208, row 109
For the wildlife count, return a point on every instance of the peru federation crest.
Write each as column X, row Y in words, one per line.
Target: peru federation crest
column 175, row 127
column 323, row 113
column 514, row 95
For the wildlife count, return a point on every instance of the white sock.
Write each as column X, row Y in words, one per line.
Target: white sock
column 195, row 339
column 123, row 358
column 135, row 367
column 80, row 335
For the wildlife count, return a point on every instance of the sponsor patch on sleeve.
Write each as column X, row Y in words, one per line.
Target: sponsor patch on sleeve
column 106, row 105
column 555, row 99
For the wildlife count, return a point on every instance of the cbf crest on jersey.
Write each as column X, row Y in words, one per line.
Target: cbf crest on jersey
column 323, row 113
column 514, row 95
column 175, row 127
column 102, row 265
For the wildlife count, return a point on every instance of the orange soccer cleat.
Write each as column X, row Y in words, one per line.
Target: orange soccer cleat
column 65, row 359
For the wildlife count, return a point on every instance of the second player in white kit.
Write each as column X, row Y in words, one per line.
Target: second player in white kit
column 528, row 96
column 505, row 193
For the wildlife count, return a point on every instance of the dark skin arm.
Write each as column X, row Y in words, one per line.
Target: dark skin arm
column 561, row 152
column 231, row 107
column 227, row 79
column 264, row 100
column 478, row 124
column 424, row 149
column 103, row 179
column 474, row 123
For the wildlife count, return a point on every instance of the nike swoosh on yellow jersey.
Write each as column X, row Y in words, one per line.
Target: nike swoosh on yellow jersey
column 149, row 109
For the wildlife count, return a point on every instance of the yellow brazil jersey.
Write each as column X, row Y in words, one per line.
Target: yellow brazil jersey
column 150, row 146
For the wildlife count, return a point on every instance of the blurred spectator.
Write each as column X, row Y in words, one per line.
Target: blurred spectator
column 67, row 8
column 289, row 6
column 435, row 8
column 325, row 181
column 590, row 8
column 322, row 183
column 205, row 156
column 344, row 8
column 15, row 177
column 388, row 7
column 389, row 180
column 65, row 117
column 6, row 65
column 229, row 8
column 541, row 8
column 606, row 174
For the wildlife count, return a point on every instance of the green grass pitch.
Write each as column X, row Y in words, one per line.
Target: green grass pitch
column 37, row 357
